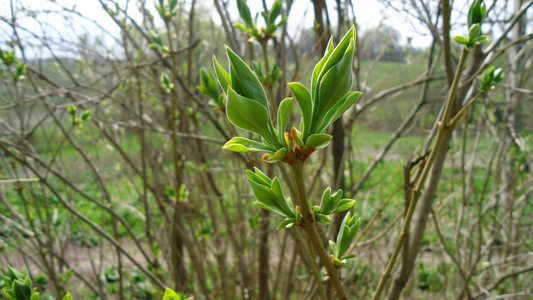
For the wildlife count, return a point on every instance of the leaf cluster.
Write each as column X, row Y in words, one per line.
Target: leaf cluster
column 331, row 204
column 476, row 16
column 18, row 286
column 166, row 9
column 209, row 87
column 270, row 78
column 349, row 227
column 250, row 24
column 9, row 59
column 490, row 78
column 248, row 106
column 268, row 195
column 171, row 295
column 157, row 43
column 77, row 121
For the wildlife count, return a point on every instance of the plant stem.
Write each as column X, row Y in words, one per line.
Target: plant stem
column 314, row 268
column 459, row 114
column 310, row 229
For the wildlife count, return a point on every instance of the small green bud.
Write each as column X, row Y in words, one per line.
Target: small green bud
column 490, row 78
column 269, row 195
column 72, row 110
column 167, row 84
column 86, row 116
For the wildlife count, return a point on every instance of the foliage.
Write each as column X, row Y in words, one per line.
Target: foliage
column 270, row 17
column 113, row 183
column 18, row 286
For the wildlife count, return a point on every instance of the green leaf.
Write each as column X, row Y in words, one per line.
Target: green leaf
column 265, row 197
column 473, row 32
column 338, row 110
column 244, row 12
column 276, row 157
column 10, row 294
column 86, row 115
column 267, row 203
column 286, row 223
column 167, row 84
column 326, row 204
column 460, row 40
column 160, row 9
column 490, row 78
column 250, row 115
column 349, row 256
column 240, row 144
column 242, row 27
column 67, row 297
column 259, row 177
column 284, row 203
column 265, row 17
column 171, row 295
column 275, row 11
column 209, row 86
column 343, row 241
column 275, row 75
column 333, row 85
column 8, row 58
column 258, row 69
column 476, row 13
column 340, row 51
column 269, row 195
column 72, row 110
column 332, row 247
column 323, row 219
column 348, row 229
column 497, row 75
column 244, row 81
column 222, row 76
column 337, row 196
column 21, row 289
column 343, row 205
column 302, row 95
column 284, row 112
column 320, row 66
column 156, row 38
column 282, row 22
column 318, row 140
column 481, row 39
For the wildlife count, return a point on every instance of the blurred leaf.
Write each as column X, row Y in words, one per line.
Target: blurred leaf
column 244, row 12
column 275, row 11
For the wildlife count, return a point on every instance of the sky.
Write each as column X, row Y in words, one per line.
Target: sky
column 369, row 13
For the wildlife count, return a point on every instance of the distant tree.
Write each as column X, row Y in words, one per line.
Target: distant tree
column 382, row 42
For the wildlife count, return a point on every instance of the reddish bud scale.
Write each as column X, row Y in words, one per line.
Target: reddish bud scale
column 298, row 152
